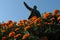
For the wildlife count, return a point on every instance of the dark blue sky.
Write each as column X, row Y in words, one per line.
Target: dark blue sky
column 15, row 9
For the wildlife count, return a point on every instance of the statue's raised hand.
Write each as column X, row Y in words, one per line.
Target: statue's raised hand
column 27, row 6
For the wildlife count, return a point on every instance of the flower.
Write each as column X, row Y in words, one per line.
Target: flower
column 9, row 21
column 4, row 38
column 38, row 25
column 46, row 15
column 56, row 11
column 33, row 18
column 11, row 34
column 52, row 19
column 20, row 25
column 38, row 20
column 14, row 23
column 27, row 27
column 58, row 15
column 58, row 18
column 17, row 35
column 10, row 25
column 3, row 31
column 17, row 29
column 26, row 36
column 49, row 23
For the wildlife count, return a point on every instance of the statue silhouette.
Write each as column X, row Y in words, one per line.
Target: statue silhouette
column 34, row 11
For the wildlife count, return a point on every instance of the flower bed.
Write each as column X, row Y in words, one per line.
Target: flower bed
column 33, row 28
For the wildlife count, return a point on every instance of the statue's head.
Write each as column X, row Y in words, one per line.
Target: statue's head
column 35, row 7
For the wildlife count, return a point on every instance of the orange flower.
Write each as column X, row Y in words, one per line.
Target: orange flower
column 49, row 23
column 4, row 38
column 46, row 15
column 52, row 19
column 16, row 36
column 27, row 27
column 3, row 31
column 3, row 24
column 10, row 25
column 31, row 23
column 38, row 20
column 0, row 24
column 20, row 25
column 17, row 29
column 22, row 21
column 26, row 36
column 58, row 15
column 9, row 21
column 11, row 34
column 38, row 25
column 56, row 11
column 58, row 18
column 33, row 18
column 14, row 23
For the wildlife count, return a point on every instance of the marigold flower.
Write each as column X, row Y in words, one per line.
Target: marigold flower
column 49, row 23
column 17, row 29
column 20, row 25
column 46, row 15
column 27, row 27
column 56, row 11
column 9, row 21
column 26, row 36
column 22, row 21
column 58, row 15
column 33, row 18
column 10, row 25
column 38, row 20
column 52, row 19
column 4, row 38
column 38, row 25
column 16, row 36
column 58, row 18
column 11, row 34
column 14, row 23
column 3, row 31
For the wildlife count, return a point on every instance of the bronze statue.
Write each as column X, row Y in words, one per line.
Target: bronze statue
column 34, row 11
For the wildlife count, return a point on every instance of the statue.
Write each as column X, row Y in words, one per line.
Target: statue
column 34, row 11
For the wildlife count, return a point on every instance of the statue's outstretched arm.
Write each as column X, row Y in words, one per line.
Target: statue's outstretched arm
column 27, row 6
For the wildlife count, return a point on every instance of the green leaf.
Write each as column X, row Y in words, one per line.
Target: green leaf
column 11, row 38
column 26, row 32
column 35, row 28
